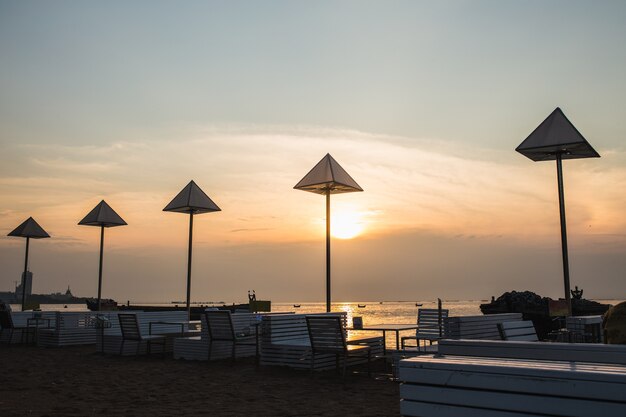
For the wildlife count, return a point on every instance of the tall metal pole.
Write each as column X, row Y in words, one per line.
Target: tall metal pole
column 100, row 267
column 559, row 172
column 328, row 251
column 24, row 275
column 189, row 265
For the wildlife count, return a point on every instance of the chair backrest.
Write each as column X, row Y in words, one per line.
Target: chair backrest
column 484, row 327
column 430, row 323
column 220, row 325
column 518, row 330
column 326, row 333
column 129, row 326
column 6, row 322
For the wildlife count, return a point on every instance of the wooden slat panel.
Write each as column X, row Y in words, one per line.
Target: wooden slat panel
column 416, row 409
column 507, row 401
column 512, row 381
column 580, row 352
column 523, row 367
column 518, row 330
column 474, row 386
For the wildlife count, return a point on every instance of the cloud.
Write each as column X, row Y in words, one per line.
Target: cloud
column 458, row 196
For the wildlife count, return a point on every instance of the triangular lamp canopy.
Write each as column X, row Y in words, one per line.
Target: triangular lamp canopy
column 555, row 135
column 102, row 215
column 29, row 228
column 328, row 177
column 192, row 200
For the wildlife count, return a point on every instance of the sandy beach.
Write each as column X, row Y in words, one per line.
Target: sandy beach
column 76, row 381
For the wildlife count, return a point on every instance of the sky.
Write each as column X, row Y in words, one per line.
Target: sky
column 422, row 103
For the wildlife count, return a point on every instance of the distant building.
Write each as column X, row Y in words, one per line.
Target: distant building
column 27, row 280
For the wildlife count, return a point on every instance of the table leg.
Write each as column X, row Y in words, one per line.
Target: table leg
column 385, row 344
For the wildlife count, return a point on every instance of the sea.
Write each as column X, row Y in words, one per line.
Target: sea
column 372, row 312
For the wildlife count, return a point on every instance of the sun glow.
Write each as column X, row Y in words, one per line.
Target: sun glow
column 346, row 225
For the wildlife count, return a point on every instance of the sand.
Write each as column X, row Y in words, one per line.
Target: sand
column 76, row 381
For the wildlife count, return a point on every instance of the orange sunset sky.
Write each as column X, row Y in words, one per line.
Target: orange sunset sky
column 422, row 103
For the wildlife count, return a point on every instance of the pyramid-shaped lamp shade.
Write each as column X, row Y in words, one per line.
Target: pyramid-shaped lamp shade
column 556, row 139
column 556, row 135
column 29, row 229
column 191, row 200
column 326, row 178
column 102, row 215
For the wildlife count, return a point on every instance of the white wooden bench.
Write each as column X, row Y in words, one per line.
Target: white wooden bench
column 451, row 386
column 479, row 327
column 577, row 352
column 197, row 347
column 518, row 330
column 109, row 340
column 285, row 342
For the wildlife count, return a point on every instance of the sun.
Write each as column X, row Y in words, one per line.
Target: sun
column 345, row 225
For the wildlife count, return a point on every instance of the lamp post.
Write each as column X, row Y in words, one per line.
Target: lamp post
column 28, row 229
column 326, row 178
column 191, row 200
column 556, row 139
column 102, row 215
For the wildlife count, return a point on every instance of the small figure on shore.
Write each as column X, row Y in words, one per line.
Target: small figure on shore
column 576, row 293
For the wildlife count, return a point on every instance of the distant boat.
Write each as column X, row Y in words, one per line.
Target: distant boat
column 296, row 305
column 418, row 304
column 361, row 305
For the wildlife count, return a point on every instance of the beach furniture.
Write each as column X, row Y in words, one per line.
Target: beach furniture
column 131, row 331
column 387, row 327
column 27, row 324
column 326, row 335
column 576, row 352
column 478, row 327
column 518, row 330
column 110, row 340
column 468, row 386
column 70, row 328
column 588, row 327
column 481, row 327
column 197, row 347
column 285, row 342
column 221, row 329
column 501, row 378
column 431, row 326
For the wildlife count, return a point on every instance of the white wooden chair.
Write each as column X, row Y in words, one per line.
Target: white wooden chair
column 327, row 335
column 430, row 326
column 518, row 330
column 221, row 329
column 130, row 331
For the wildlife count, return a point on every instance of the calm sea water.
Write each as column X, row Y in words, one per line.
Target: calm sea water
column 372, row 312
